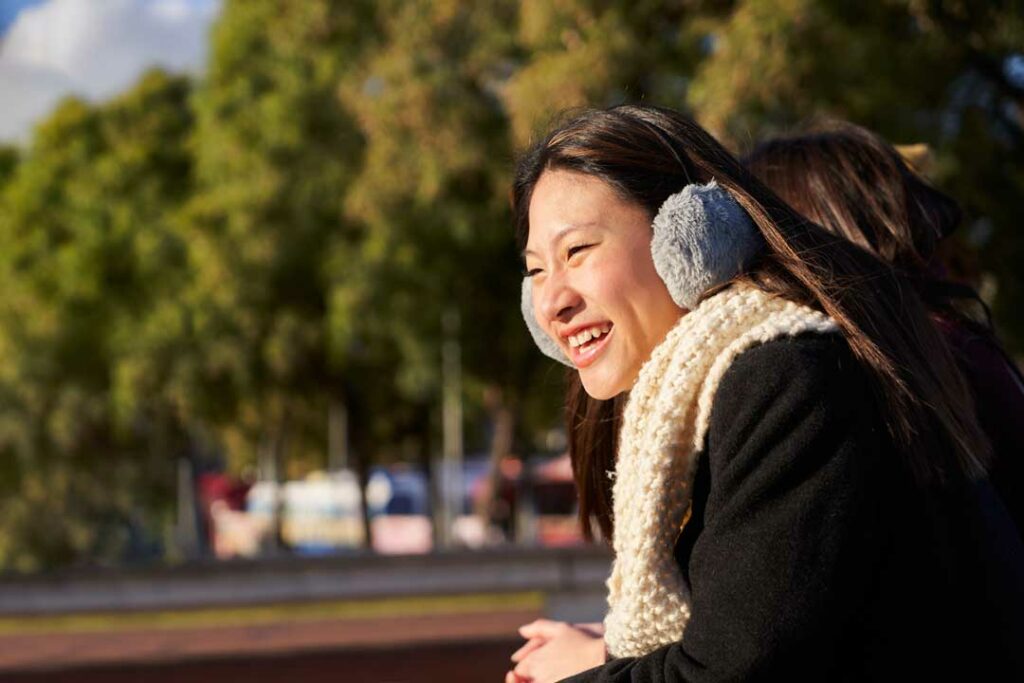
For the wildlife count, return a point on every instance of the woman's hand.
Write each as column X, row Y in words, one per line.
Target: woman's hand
column 555, row 650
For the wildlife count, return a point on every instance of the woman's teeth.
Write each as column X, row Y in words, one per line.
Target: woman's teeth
column 583, row 337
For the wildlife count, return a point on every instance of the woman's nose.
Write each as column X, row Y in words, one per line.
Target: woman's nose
column 558, row 299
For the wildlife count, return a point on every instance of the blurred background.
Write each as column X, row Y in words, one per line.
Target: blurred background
column 261, row 359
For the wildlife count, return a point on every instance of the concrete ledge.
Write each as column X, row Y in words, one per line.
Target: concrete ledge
column 553, row 571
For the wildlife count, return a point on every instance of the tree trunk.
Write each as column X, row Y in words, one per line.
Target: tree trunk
column 491, row 508
column 271, row 456
column 362, row 462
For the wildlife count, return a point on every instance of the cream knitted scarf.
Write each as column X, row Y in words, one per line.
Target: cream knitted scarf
column 663, row 429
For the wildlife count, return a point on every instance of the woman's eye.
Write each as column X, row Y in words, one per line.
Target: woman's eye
column 530, row 272
column 577, row 249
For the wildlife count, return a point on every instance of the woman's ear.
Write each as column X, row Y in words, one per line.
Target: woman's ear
column 701, row 237
column 545, row 343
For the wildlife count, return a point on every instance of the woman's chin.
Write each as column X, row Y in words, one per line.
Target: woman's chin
column 600, row 388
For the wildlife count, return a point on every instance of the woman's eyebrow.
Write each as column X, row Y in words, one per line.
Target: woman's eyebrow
column 562, row 233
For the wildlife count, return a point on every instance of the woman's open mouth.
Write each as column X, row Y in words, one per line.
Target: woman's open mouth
column 585, row 346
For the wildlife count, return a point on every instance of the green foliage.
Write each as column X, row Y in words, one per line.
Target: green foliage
column 8, row 163
column 274, row 155
column 577, row 53
column 86, row 248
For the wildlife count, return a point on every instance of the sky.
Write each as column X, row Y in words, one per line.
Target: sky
column 9, row 9
column 90, row 48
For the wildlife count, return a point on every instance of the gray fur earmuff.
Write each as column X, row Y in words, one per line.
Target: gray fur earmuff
column 701, row 238
column 545, row 343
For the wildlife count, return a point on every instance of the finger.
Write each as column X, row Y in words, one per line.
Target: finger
column 526, row 649
column 541, row 628
column 594, row 628
column 522, row 672
column 530, row 625
column 513, row 677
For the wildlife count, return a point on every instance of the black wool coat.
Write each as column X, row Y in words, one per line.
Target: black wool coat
column 811, row 555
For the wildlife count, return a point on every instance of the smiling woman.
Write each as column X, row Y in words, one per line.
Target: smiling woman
column 762, row 421
column 595, row 289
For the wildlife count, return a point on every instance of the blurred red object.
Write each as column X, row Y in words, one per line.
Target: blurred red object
column 217, row 488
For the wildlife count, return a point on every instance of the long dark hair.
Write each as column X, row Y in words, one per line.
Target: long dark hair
column 648, row 153
column 849, row 180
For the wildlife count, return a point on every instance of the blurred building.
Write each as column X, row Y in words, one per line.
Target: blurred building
column 532, row 503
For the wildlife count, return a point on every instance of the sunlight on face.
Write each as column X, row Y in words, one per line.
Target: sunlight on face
column 595, row 290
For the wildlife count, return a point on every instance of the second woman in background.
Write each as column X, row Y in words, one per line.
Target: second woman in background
column 853, row 183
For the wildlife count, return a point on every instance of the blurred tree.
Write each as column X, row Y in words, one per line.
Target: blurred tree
column 8, row 162
column 936, row 72
column 86, row 248
column 577, row 53
column 275, row 154
column 433, row 197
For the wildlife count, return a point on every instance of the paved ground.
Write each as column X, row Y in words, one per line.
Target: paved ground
column 453, row 647
column 449, row 617
column 464, row 662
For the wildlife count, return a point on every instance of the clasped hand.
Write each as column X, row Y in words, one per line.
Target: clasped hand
column 555, row 650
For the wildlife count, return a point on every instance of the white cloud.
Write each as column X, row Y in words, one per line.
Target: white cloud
column 94, row 49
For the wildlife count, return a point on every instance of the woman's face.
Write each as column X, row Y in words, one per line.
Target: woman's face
column 595, row 290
